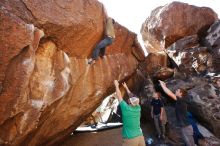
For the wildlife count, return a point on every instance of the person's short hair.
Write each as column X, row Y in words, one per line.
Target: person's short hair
column 158, row 94
column 130, row 95
column 183, row 92
column 216, row 79
column 134, row 101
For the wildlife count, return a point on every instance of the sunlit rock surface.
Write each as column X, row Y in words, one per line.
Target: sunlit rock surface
column 173, row 21
column 212, row 41
column 157, row 66
column 154, row 61
column 190, row 56
column 46, row 93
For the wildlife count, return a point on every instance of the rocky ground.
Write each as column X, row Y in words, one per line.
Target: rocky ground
column 105, row 138
column 113, row 138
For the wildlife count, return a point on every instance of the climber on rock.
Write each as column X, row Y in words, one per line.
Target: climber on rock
column 181, row 99
column 109, row 38
column 131, row 114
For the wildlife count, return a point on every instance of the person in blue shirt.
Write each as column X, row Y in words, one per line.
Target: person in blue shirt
column 196, row 133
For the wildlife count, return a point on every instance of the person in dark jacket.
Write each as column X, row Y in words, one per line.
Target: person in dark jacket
column 181, row 99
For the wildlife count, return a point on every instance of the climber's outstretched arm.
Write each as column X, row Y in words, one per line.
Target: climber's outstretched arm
column 118, row 92
column 126, row 88
column 167, row 91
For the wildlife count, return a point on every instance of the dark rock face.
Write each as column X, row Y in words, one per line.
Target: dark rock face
column 46, row 92
column 213, row 43
column 205, row 102
column 197, row 57
column 174, row 21
column 182, row 31
column 199, row 106
column 174, row 133
column 206, row 105
column 190, row 57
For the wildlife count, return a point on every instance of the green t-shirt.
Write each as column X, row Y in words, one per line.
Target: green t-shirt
column 131, row 120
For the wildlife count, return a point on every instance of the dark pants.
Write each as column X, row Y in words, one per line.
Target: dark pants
column 159, row 124
column 100, row 48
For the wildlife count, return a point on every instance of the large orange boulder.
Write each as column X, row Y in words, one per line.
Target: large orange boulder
column 156, row 65
column 173, row 21
column 46, row 92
